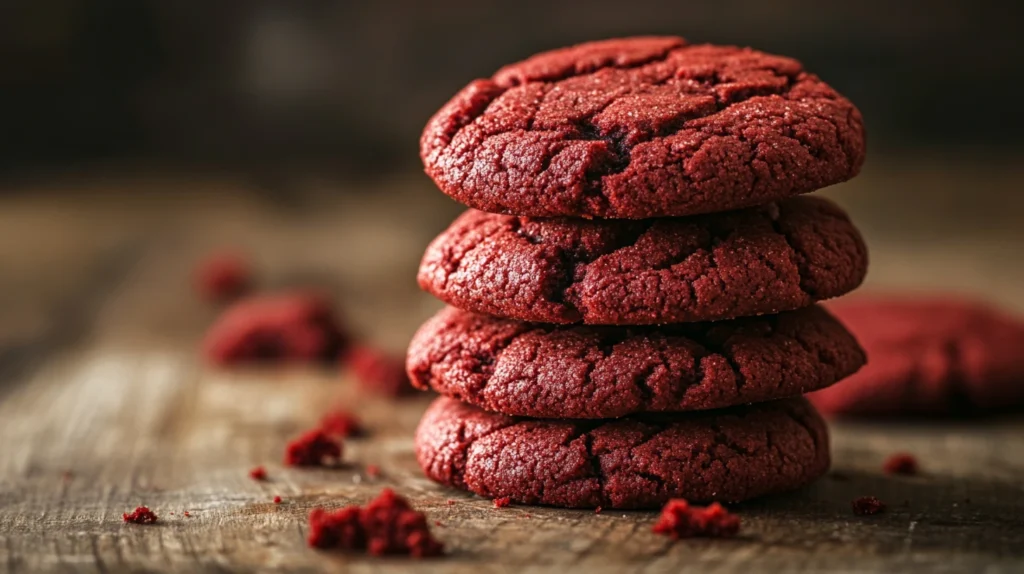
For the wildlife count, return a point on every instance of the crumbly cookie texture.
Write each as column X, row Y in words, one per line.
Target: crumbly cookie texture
column 726, row 456
column 642, row 127
column 773, row 258
column 542, row 370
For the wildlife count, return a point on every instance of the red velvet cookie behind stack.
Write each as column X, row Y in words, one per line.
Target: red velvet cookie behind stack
column 930, row 355
column 637, row 250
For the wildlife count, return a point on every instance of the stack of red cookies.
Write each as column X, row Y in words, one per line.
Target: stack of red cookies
column 633, row 295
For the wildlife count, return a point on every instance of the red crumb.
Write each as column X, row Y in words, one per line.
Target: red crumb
column 258, row 473
column 313, row 448
column 680, row 520
column 451, row 502
column 378, row 371
column 372, row 470
column 141, row 515
column 438, row 524
column 502, row 502
column 277, row 500
column 867, row 505
column 296, row 327
column 67, row 476
column 598, row 510
column 901, row 463
column 222, row 277
column 386, row 525
column 341, row 423
column 186, row 514
column 172, row 514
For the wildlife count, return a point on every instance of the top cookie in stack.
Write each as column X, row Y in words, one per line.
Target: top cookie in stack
column 650, row 186
column 640, row 128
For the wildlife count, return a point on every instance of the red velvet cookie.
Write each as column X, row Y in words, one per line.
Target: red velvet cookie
column 929, row 356
column 729, row 455
column 642, row 127
column 542, row 370
column 767, row 259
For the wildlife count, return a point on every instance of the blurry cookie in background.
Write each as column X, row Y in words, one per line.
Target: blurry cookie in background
column 929, row 355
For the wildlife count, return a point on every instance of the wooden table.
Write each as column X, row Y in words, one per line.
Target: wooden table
column 104, row 404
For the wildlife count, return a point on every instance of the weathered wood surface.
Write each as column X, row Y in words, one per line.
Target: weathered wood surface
column 104, row 405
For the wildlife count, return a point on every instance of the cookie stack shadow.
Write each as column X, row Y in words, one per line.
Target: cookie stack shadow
column 633, row 296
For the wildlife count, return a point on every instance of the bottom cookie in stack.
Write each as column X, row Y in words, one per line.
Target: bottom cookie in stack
column 727, row 455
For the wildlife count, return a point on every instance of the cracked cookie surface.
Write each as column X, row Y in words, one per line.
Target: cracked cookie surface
column 642, row 127
column 542, row 370
column 929, row 355
column 639, row 462
column 773, row 258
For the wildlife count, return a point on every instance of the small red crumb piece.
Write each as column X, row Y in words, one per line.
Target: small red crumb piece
column 451, row 502
column 377, row 371
column 341, row 423
column 386, row 525
column 67, row 476
column 313, row 448
column 901, row 463
column 372, row 470
column 141, row 515
column 186, row 514
column 598, row 510
column 222, row 277
column 438, row 524
column 867, row 505
column 277, row 500
column 680, row 520
column 172, row 514
column 258, row 473
column 502, row 502
column 297, row 327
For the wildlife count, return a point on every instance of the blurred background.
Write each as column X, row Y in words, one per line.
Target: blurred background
column 289, row 129
column 349, row 85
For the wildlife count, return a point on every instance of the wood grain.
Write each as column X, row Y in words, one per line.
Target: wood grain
column 104, row 405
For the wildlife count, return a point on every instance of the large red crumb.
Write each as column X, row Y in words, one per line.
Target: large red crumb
column 299, row 327
column 341, row 423
column 386, row 525
column 680, row 520
column 377, row 371
column 222, row 277
column 313, row 448
column 901, row 463
column 502, row 502
column 277, row 500
column 867, row 505
column 141, row 515
column 258, row 473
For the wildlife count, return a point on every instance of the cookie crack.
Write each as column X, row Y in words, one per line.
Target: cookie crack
column 775, row 217
column 584, row 129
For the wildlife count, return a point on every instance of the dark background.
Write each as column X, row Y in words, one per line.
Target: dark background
column 347, row 86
